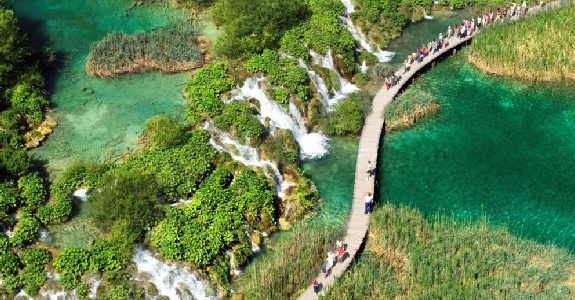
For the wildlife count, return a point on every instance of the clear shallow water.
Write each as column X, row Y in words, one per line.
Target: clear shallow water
column 497, row 148
column 333, row 175
column 99, row 119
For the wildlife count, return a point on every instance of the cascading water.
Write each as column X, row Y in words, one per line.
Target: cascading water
column 171, row 280
column 346, row 87
column 312, row 145
column 364, row 67
column 425, row 15
column 246, row 155
column 382, row 56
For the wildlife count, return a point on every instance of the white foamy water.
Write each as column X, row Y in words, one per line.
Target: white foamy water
column 170, row 278
column 364, row 67
column 246, row 155
column 312, row 144
column 346, row 87
column 364, row 42
column 82, row 194
column 425, row 15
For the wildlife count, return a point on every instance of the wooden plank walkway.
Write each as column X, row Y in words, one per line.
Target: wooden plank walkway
column 368, row 150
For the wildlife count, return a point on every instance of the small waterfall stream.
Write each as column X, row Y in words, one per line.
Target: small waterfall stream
column 171, row 280
column 365, row 43
column 312, row 144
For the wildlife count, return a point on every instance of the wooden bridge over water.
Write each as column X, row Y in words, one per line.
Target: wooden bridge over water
column 368, row 150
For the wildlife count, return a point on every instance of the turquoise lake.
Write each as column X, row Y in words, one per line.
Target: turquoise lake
column 99, row 119
column 497, row 149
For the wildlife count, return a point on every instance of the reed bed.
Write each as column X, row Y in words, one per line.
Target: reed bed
column 287, row 268
column 408, row 108
column 172, row 49
column 536, row 48
column 408, row 257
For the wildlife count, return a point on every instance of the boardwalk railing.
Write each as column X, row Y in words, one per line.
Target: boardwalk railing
column 368, row 150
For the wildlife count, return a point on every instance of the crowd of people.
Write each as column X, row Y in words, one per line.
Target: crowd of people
column 465, row 29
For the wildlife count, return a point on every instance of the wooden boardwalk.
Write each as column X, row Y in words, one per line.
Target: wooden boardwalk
column 368, row 150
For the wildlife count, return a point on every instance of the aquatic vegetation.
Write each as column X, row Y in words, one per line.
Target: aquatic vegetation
column 408, row 108
column 407, row 256
column 172, row 49
column 284, row 269
column 535, row 48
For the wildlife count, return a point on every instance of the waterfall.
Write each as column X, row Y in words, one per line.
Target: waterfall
column 383, row 56
column 364, row 67
column 319, row 84
column 346, row 87
column 170, row 278
column 425, row 15
column 312, row 145
column 81, row 194
column 246, row 155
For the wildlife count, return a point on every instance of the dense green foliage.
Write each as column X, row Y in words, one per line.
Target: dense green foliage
column 349, row 115
column 170, row 49
column 164, row 132
column 535, row 48
column 222, row 209
column 71, row 264
column 250, row 26
column 203, row 91
column 179, row 170
column 238, row 117
column 406, row 256
column 22, row 188
column 128, row 195
column 280, row 71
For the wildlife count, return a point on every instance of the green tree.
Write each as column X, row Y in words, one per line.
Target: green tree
column 164, row 132
column 128, row 195
column 250, row 26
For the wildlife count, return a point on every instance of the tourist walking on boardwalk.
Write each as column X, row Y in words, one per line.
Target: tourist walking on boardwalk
column 315, row 286
column 339, row 244
column 369, row 170
column 330, row 261
column 324, row 270
column 340, row 254
column 368, row 202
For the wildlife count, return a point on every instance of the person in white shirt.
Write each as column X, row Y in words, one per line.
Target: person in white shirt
column 368, row 202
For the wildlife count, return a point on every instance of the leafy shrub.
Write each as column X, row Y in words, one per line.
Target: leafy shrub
column 203, row 91
column 32, row 189
column 280, row 70
column 125, row 195
column 103, row 256
column 292, row 42
column 216, row 219
column 33, row 276
column 71, row 264
column 349, row 114
column 164, row 132
column 239, row 116
column 26, row 229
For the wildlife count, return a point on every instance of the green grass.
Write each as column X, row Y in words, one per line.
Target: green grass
column 408, row 257
column 536, row 48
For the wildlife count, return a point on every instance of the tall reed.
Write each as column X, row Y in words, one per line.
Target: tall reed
column 287, row 268
column 536, row 48
column 407, row 108
column 171, row 49
column 408, row 257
